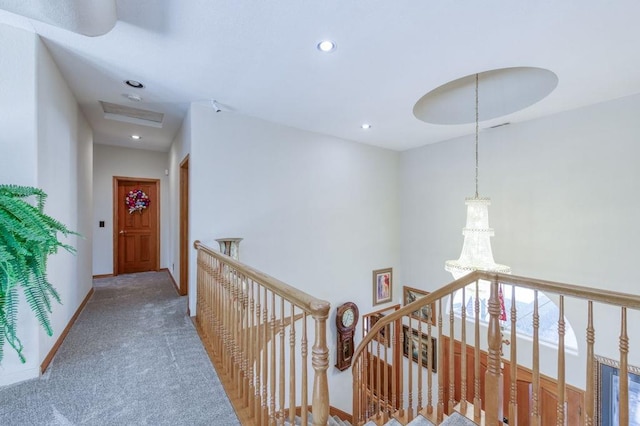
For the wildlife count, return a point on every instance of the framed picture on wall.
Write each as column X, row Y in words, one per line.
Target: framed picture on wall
column 426, row 313
column 382, row 286
column 415, row 342
column 608, row 392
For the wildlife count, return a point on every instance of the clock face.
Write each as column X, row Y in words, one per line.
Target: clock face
column 347, row 318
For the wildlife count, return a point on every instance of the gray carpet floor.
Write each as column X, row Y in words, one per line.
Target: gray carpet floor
column 133, row 357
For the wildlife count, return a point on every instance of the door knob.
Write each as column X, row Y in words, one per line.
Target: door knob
column 123, row 232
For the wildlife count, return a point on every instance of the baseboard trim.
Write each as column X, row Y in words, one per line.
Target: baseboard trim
column 103, row 276
column 175, row 285
column 47, row 360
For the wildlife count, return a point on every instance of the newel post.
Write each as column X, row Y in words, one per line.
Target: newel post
column 320, row 362
column 493, row 378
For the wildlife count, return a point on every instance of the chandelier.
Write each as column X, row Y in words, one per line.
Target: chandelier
column 476, row 249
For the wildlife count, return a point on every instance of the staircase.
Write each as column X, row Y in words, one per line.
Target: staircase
column 455, row 419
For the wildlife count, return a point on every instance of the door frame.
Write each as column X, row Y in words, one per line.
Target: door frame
column 116, row 225
column 183, row 289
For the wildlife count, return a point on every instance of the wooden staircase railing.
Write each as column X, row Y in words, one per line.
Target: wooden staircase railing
column 473, row 375
column 256, row 330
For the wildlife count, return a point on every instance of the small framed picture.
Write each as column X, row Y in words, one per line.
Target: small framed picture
column 608, row 392
column 415, row 342
column 384, row 335
column 426, row 313
column 382, row 286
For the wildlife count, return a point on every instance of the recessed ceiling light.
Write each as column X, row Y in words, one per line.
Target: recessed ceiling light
column 326, row 46
column 366, row 126
column 135, row 84
column 136, row 137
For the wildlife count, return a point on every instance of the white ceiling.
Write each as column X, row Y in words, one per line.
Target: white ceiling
column 259, row 58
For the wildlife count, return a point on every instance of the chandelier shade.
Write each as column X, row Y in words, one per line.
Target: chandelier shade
column 476, row 252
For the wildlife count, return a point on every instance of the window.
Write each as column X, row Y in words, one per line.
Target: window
column 547, row 311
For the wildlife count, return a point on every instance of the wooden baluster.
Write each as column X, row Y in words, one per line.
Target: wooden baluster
column 463, row 354
column 237, row 332
column 513, row 363
column 385, row 380
column 282, row 370
column 420, row 366
column 477, row 401
column 272, row 370
column 369, row 382
column 589, row 396
column 440, row 413
column 258, row 354
column 560, row 409
column 493, row 377
column 304, row 349
column 251, row 335
column 292, row 366
column 265, row 359
column 396, row 372
column 320, row 362
column 535, row 398
column 410, row 387
column 378, row 383
column 452, row 359
column 246, row 342
column 624, row 368
column 357, row 391
column 430, row 350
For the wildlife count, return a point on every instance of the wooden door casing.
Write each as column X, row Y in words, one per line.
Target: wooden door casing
column 136, row 235
column 548, row 389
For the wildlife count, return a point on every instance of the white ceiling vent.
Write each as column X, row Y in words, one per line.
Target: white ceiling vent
column 132, row 115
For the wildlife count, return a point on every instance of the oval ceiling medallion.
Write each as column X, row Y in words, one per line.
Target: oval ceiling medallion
column 500, row 92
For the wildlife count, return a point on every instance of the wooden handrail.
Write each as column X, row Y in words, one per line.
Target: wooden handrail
column 301, row 299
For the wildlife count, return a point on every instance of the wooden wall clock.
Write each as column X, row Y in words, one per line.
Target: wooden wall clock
column 346, row 320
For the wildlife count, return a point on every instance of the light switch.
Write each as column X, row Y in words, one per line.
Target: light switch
column 101, row 224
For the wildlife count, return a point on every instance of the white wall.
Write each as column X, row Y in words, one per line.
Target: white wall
column 564, row 207
column 65, row 174
column 317, row 212
column 180, row 148
column 110, row 161
column 45, row 142
column 18, row 165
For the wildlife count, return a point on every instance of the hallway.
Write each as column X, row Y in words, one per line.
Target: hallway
column 132, row 358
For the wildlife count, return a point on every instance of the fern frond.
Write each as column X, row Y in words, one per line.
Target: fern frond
column 27, row 237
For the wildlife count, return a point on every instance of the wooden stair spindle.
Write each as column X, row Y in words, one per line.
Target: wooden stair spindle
column 304, row 349
column 561, row 410
column 452, row 376
column 477, row 402
column 513, row 362
column 589, row 396
column 292, row 366
column 320, row 362
column 535, row 387
column 463, row 354
column 440, row 411
column 493, row 377
column 624, row 368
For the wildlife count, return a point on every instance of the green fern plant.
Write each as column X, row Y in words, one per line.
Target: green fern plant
column 27, row 237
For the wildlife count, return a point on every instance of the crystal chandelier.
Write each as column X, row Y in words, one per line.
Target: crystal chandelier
column 476, row 249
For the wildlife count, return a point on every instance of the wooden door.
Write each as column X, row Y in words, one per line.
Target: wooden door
column 136, row 234
column 184, row 227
